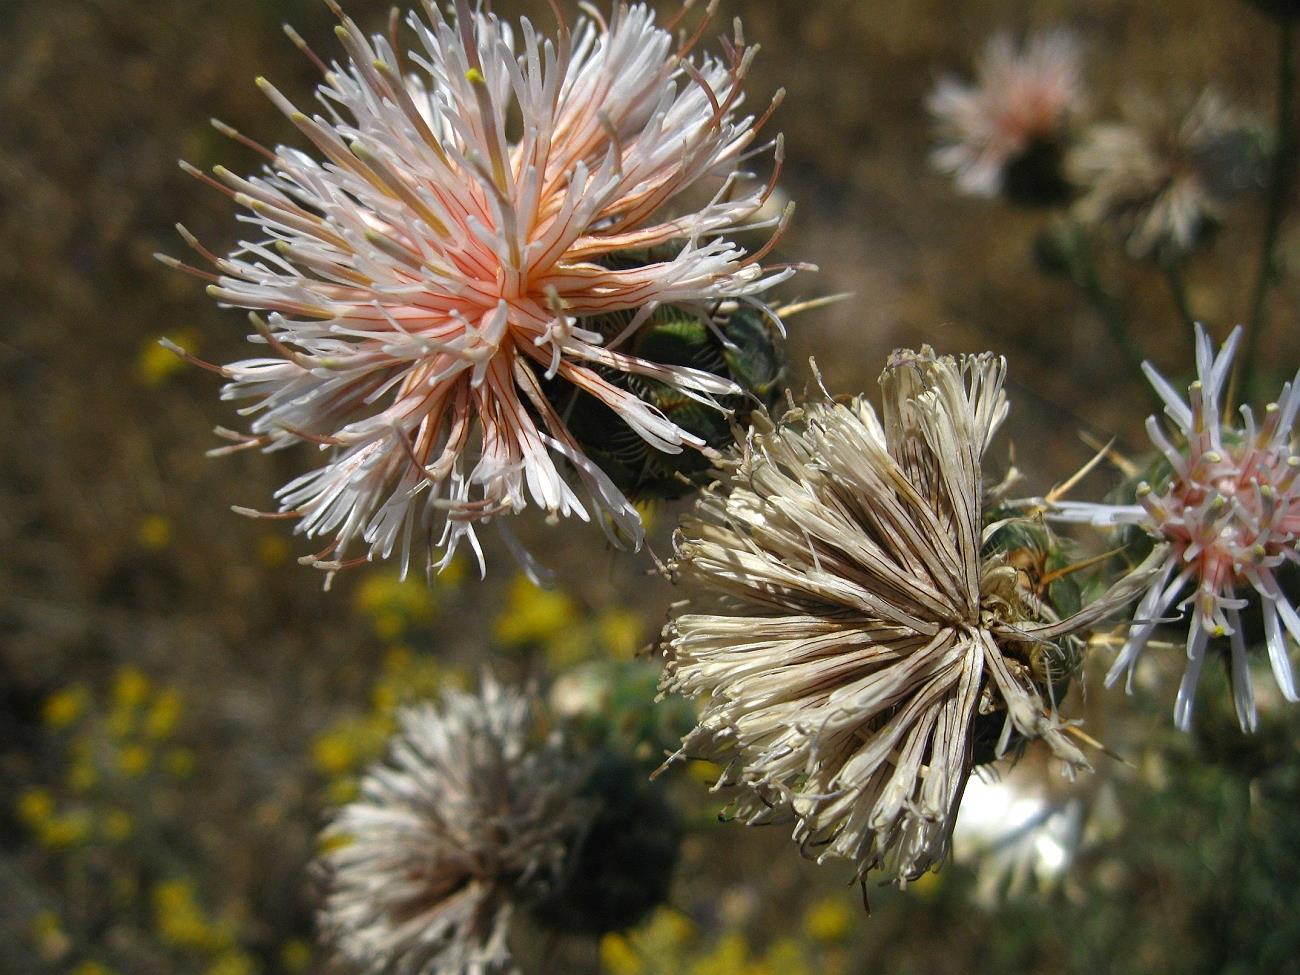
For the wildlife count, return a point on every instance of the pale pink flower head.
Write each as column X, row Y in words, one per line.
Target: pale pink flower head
column 1230, row 511
column 1020, row 96
column 436, row 266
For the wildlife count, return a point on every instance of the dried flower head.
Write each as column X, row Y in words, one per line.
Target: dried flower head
column 1021, row 97
column 1160, row 177
column 478, row 202
column 473, row 814
column 1228, row 509
column 848, row 623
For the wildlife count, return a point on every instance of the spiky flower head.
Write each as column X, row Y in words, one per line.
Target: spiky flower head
column 473, row 814
column 1227, row 507
column 849, row 622
column 465, row 222
column 1022, row 98
column 1159, row 177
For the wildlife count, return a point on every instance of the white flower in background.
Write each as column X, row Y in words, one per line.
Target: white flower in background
column 435, row 267
column 845, row 626
column 473, row 814
column 1021, row 96
column 1160, row 178
column 1017, row 839
column 1229, row 511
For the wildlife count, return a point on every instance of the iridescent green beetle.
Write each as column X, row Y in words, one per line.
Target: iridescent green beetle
column 739, row 343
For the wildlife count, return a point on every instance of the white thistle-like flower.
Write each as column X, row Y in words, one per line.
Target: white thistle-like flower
column 1161, row 178
column 846, row 625
column 473, row 814
column 443, row 259
column 1020, row 96
column 1229, row 512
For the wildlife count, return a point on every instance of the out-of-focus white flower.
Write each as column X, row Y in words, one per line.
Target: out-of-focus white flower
column 474, row 205
column 847, row 625
column 1021, row 96
column 1160, row 178
column 1016, row 839
column 473, row 814
column 1229, row 511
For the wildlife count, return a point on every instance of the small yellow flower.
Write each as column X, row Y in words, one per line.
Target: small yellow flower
column 154, row 364
column 621, row 632
column 60, row 832
column 342, row 791
column 926, row 884
column 91, row 968
column 829, row 920
column 452, row 576
column 703, row 771
column 179, row 918
column 46, row 924
column 131, row 688
column 65, row 706
column 787, row 956
column 34, row 806
column 393, row 604
column 163, row 714
column 617, row 957
column 334, row 753
column 154, row 532
column 672, row 928
column 729, row 957
column 133, row 761
column 534, row 615
column 295, row 955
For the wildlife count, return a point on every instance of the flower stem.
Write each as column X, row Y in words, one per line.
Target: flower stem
column 1279, row 192
column 1173, row 267
column 1108, row 308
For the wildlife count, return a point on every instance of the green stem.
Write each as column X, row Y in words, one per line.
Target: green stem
column 1111, row 312
column 1178, row 290
column 1279, row 192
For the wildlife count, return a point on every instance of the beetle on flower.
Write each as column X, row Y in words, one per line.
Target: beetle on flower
column 427, row 281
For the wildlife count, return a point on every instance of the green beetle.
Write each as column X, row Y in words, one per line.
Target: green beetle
column 736, row 342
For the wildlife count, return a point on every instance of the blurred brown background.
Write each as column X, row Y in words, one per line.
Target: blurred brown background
column 118, row 546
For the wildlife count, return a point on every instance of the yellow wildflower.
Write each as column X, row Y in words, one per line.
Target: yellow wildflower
column 617, row 957
column 59, row 832
column 295, row 955
column 34, row 806
column 829, row 920
column 620, row 632
column 131, row 688
column 65, row 706
column 154, row 364
column 163, row 714
column 534, row 615
column 154, row 532
column 133, row 760
column 393, row 604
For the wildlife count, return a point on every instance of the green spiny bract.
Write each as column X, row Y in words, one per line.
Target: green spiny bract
column 1034, row 560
